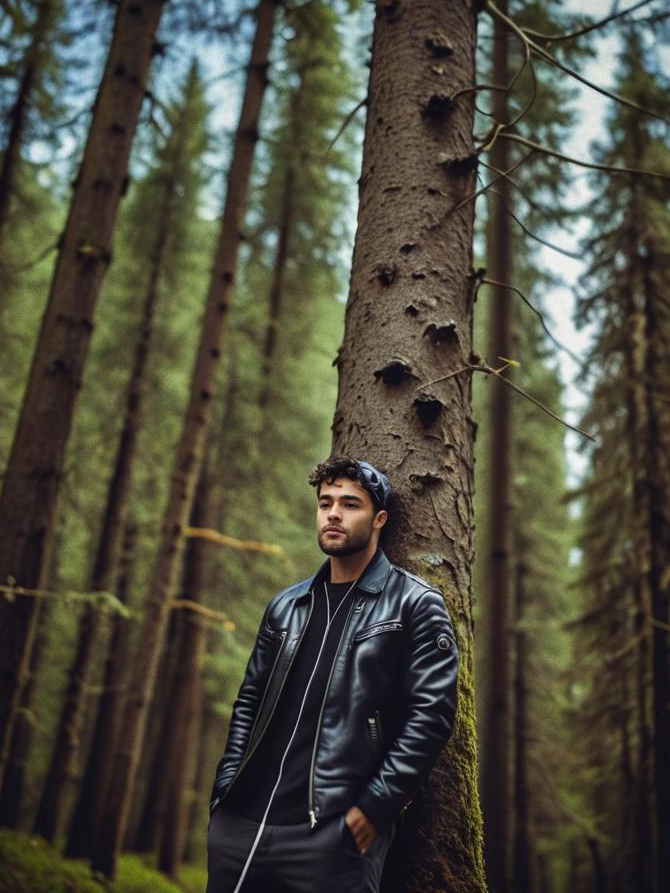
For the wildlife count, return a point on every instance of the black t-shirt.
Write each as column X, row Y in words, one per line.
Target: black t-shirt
column 252, row 789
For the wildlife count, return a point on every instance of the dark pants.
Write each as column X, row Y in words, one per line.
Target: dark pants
column 292, row 858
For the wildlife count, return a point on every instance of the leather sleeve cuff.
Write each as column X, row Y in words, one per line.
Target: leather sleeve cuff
column 375, row 810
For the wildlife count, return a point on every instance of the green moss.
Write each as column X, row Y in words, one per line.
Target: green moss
column 29, row 865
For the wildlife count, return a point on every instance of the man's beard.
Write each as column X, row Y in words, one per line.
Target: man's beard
column 350, row 545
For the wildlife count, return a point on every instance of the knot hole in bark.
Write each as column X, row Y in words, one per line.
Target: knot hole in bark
column 394, row 372
column 440, row 336
column 421, row 482
column 428, row 409
column 439, row 45
column 457, row 165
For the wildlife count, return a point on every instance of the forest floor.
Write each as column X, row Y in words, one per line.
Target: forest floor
column 29, row 865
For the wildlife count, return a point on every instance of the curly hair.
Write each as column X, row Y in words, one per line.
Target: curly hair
column 341, row 467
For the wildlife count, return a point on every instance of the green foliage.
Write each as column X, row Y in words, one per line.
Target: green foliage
column 29, row 865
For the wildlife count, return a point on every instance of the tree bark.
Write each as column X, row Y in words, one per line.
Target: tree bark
column 150, row 796
column 657, row 333
column 189, row 453
column 497, row 729
column 187, row 694
column 36, row 462
column 524, row 857
column 408, row 326
column 91, row 800
column 13, row 782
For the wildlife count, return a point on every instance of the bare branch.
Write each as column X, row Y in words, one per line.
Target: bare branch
column 592, row 27
column 489, row 370
column 20, row 268
column 590, row 164
column 475, row 195
column 543, row 54
column 496, row 284
column 345, row 124
column 532, row 235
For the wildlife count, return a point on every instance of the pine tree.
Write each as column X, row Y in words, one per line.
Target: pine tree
column 625, row 529
column 408, row 325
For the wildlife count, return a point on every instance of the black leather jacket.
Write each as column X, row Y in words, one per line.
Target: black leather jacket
column 390, row 701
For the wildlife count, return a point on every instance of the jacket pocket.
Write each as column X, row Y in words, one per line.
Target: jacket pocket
column 384, row 626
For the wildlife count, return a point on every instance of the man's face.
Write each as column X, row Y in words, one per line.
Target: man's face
column 346, row 519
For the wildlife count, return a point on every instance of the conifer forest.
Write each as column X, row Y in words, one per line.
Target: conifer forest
column 239, row 236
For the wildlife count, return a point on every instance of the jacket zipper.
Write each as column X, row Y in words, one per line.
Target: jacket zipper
column 312, row 813
column 247, row 756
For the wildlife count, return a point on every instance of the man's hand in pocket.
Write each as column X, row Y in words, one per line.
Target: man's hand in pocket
column 362, row 829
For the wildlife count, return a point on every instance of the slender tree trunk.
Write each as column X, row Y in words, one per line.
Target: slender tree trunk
column 13, row 782
column 408, row 326
column 187, row 695
column 277, row 287
column 211, row 734
column 656, row 338
column 524, row 858
column 17, row 115
column 155, row 759
column 278, row 273
column 497, row 730
column 35, row 468
column 91, row 800
column 189, row 453
column 64, row 757
column 646, row 839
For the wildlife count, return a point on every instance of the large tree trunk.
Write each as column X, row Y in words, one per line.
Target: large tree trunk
column 18, row 113
column 189, row 453
column 91, row 803
column 404, row 397
column 64, row 757
column 35, row 468
column 495, row 772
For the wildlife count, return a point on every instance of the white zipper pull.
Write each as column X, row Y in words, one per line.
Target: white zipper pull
column 312, row 819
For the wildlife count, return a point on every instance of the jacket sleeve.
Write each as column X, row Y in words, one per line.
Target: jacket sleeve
column 431, row 675
column 245, row 709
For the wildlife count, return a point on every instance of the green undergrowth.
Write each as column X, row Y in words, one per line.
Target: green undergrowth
column 29, row 865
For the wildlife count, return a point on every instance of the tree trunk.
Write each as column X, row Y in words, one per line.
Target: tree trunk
column 64, row 757
column 36, row 462
column 285, row 227
column 91, row 800
column 656, row 335
column 524, row 858
column 13, row 782
column 189, row 453
column 277, row 286
column 495, row 773
column 155, row 759
column 187, row 694
column 408, row 326
column 17, row 115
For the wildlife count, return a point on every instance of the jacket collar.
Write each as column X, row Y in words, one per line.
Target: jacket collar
column 371, row 580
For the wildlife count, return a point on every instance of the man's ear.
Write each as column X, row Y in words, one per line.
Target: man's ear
column 380, row 519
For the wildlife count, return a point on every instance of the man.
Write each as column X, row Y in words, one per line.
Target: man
column 348, row 698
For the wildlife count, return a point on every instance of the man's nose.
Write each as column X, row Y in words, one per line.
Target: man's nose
column 334, row 513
